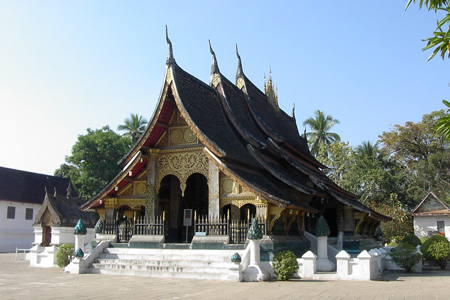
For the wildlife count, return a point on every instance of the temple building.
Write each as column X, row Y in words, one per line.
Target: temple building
column 217, row 155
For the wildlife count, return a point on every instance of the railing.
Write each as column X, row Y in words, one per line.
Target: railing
column 237, row 230
column 125, row 229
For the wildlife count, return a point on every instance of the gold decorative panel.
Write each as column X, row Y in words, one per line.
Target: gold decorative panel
column 240, row 83
column 139, row 188
column 181, row 165
column 169, row 76
column 227, row 186
column 215, row 80
column 182, row 136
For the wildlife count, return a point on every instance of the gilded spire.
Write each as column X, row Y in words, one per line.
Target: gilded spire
column 170, row 59
column 215, row 66
column 271, row 91
column 239, row 72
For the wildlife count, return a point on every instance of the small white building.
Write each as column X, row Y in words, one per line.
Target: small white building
column 431, row 217
column 54, row 225
column 21, row 197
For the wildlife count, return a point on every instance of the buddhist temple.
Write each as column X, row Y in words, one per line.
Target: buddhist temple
column 215, row 156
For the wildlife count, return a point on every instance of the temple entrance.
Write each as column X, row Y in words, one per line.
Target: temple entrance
column 173, row 204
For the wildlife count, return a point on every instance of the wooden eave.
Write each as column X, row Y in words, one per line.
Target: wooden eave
column 120, row 181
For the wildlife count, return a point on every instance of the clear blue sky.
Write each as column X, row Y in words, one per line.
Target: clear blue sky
column 69, row 65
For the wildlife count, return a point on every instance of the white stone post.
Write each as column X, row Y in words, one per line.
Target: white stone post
column 254, row 272
column 364, row 265
column 377, row 255
column 79, row 242
column 309, row 264
column 323, row 263
column 342, row 264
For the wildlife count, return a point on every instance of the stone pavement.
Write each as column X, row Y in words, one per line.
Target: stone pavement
column 20, row 281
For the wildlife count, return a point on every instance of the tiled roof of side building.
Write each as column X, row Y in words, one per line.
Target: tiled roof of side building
column 28, row 187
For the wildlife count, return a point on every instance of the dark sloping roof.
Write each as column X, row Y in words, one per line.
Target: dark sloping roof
column 431, row 205
column 28, row 187
column 65, row 211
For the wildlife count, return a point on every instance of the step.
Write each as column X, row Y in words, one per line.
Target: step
column 161, row 274
column 166, row 263
column 151, row 268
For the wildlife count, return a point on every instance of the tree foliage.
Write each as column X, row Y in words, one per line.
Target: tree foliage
column 320, row 134
column 440, row 40
column 400, row 225
column 134, row 127
column 337, row 157
column 422, row 155
column 93, row 163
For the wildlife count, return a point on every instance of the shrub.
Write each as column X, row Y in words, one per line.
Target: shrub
column 392, row 244
column 434, row 239
column 64, row 255
column 406, row 256
column 423, row 239
column 412, row 240
column 285, row 265
column 437, row 250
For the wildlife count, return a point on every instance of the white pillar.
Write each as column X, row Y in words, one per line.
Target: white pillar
column 309, row 264
column 323, row 263
column 364, row 265
column 79, row 242
column 214, row 186
column 254, row 272
column 342, row 267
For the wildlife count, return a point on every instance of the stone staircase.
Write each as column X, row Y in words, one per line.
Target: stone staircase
column 170, row 263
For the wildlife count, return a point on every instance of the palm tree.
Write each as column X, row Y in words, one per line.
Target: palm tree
column 320, row 135
column 369, row 150
column 134, row 127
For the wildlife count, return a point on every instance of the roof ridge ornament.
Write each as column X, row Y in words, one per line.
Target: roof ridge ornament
column 293, row 111
column 240, row 71
column 170, row 59
column 215, row 66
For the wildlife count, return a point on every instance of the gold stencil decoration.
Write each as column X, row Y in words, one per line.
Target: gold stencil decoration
column 189, row 136
column 227, row 186
column 240, row 83
column 181, row 165
column 215, row 80
column 140, row 188
column 176, row 136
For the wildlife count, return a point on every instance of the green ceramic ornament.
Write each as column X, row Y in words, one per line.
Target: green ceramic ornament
column 322, row 228
column 98, row 226
column 79, row 253
column 254, row 233
column 80, row 229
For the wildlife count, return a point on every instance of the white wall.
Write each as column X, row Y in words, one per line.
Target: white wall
column 18, row 231
column 424, row 224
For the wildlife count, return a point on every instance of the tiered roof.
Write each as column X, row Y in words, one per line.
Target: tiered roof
column 246, row 136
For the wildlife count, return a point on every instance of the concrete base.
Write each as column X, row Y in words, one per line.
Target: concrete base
column 146, row 241
column 324, row 265
column 210, row 242
column 106, row 237
column 255, row 273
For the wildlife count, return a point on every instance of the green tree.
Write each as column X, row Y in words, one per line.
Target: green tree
column 400, row 225
column 134, row 127
column 320, row 133
column 441, row 35
column 423, row 156
column 443, row 123
column 93, row 163
column 337, row 157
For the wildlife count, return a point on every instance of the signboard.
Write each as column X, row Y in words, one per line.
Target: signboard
column 187, row 221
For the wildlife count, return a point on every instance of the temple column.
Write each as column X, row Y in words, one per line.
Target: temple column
column 214, row 190
column 152, row 203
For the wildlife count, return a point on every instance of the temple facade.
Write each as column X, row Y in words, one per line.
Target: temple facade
column 215, row 156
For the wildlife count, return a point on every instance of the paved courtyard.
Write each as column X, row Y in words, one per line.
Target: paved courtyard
column 20, row 281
